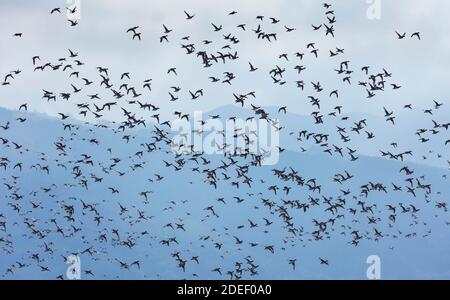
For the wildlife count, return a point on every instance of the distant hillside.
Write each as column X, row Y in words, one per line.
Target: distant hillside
column 183, row 197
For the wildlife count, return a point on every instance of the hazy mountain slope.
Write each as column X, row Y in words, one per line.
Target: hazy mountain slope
column 415, row 257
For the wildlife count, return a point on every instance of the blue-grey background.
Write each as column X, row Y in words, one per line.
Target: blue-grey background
column 100, row 39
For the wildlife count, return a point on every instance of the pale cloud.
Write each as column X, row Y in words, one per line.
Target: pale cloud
column 101, row 40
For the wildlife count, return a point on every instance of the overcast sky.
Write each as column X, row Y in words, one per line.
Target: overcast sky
column 420, row 67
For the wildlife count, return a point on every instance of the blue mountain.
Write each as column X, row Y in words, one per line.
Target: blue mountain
column 54, row 214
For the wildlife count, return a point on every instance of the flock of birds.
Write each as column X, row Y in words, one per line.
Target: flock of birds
column 73, row 212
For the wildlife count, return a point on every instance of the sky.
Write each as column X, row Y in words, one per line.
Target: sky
column 100, row 40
